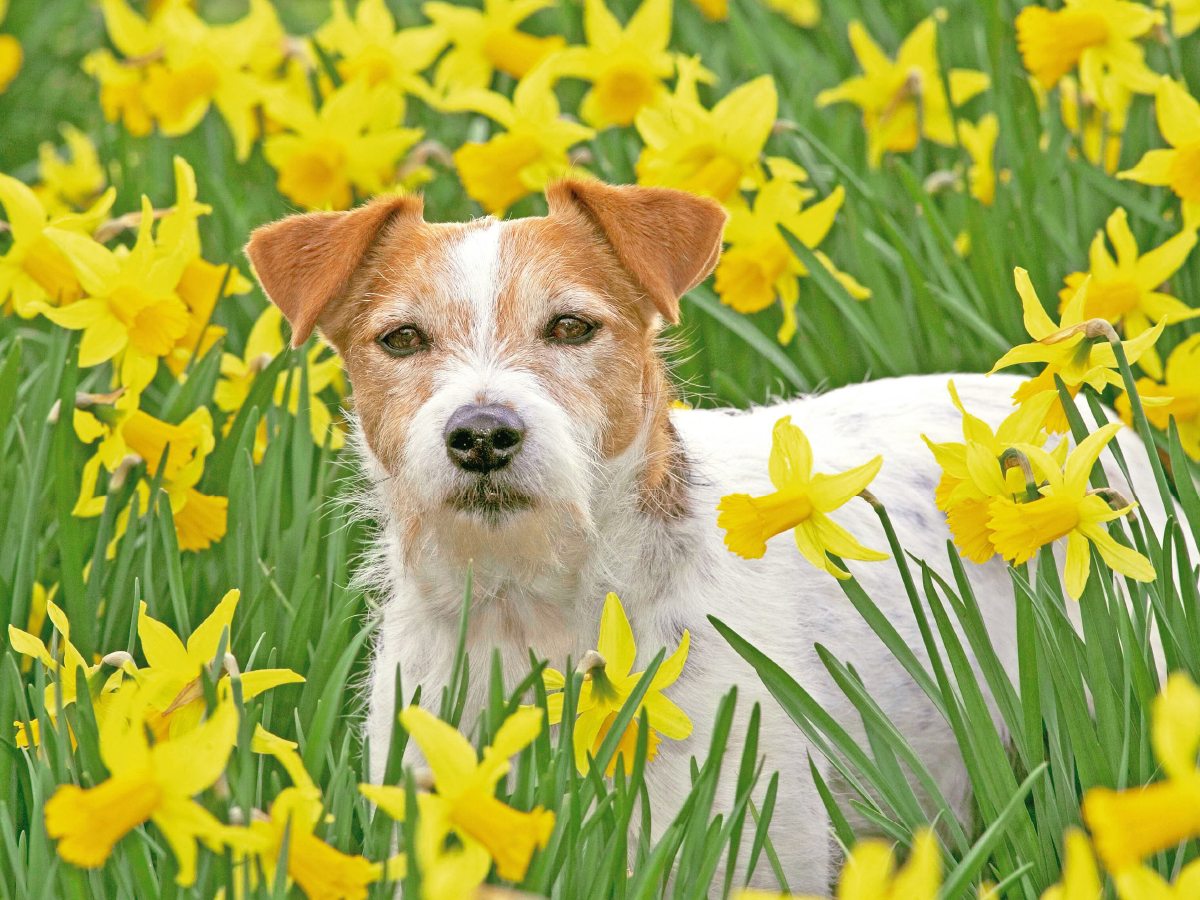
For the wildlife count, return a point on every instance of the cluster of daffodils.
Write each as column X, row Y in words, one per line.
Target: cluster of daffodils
column 166, row 732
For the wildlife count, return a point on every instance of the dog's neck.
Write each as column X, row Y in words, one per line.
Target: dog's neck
column 551, row 566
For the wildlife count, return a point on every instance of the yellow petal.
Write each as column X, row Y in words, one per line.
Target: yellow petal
column 449, row 754
column 616, row 643
column 921, row 876
column 161, row 646
column 828, row 492
column 671, row 667
column 1177, row 725
column 1037, row 323
column 203, row 644
column 790, row 462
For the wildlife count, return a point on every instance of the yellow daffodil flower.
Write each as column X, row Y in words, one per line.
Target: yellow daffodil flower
column 486, row 41
column 348, row 145
column 1130, row 825
column 1067, row 350
column 1181, row 393
column 626, row 66
column 805, row 13
column 465, row 802
column 608, row 682
column 801, row 502
column 1098, row 36
column 131, row 310
column 1178, row 115
column 532, row 150
column 1126, row 290
column 710, row 152
column 121, row 86
column 182, row 66
column 1185, row 15
column 201, row 284
column 264, row 343
column 371, row 47
column 1098, row 123
column 1080, row 878
column 10, row 54
column 1066, row 509
column 146, row 783
column 979, row 140
column 66, row 184
column 1143, row 883
column 713, row 10
column 965, row 498
column 870, row 873
column 759, row 266
column 321, row 871
column 176, row 694
column 34, row 271
column 905, row 99
column 29, row 645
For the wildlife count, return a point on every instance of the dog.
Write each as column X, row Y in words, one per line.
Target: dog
column 513, row 414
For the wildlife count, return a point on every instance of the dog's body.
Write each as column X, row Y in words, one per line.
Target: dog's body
column 597, row 486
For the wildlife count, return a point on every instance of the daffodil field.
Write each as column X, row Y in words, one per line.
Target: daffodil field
column 911, row 187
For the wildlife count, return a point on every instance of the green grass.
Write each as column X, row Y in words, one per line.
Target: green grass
column 291, row 545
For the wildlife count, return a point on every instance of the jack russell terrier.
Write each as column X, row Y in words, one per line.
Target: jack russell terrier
column 513, row 411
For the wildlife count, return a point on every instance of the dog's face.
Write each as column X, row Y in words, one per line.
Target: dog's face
column 496, row 365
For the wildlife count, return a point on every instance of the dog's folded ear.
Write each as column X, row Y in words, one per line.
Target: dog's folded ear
column 668, row 240
column 305, row 261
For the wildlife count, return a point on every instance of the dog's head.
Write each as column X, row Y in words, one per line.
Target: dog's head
column 495, row 365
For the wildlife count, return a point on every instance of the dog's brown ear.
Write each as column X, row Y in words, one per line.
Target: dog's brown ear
column 305, row 261
column 668, row 240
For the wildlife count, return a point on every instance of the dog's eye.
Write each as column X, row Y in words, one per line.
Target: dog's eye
column 403, row 341
column 570, row 330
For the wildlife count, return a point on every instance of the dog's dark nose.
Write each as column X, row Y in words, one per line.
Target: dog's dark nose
column 483, row 438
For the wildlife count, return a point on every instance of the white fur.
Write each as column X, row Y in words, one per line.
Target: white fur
column 541, row 575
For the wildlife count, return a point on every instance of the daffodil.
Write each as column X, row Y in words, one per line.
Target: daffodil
column 1069, row 349
column 710, row 152
column 608, row 682
column 347, row 146
column 759, row 265
column 1080, row 878
column 486, row 41
column 146, row 783
column 371, row 47
column 131, row 310
column 904, row 99
column 201, row 283
column 10, row 54
column 626, row 66
column 465, row 802
column 713, row 10
column 967, row 486
column 805, row 13
column 120, row 91
column 1098, row 36
column 1130, row 825
column 1181, row 393
column 525, row 157
column 129, row 435
column 264, row 343
column 1098, row 123
column 870, row 873
column 802, row 502
column 1067, row 509
column 323, row 872
column 34, row 271
column 1185, row 15
column 175, row 692
column 102, row 687
column 1126, row 290
column 979, row 140
column 182, row 66
column 64, row 184
column 1178, row 115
